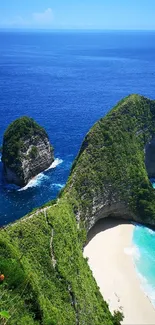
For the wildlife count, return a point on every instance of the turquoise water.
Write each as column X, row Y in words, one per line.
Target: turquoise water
column 144, row 259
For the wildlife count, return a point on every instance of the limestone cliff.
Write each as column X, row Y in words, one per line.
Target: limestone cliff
column 110, row 176
column 26, row 151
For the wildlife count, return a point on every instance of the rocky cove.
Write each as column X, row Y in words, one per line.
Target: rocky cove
column 109, row 177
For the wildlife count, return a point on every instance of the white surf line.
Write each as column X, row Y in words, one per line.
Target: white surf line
column 38, row 178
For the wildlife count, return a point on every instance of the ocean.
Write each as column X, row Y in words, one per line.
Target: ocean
column 144, row 259
column 66, row 81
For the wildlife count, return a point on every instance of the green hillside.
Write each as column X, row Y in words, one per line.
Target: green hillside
column 47, row 280
column 110, row 168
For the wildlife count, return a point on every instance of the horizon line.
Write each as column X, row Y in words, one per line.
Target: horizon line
column 73, row 29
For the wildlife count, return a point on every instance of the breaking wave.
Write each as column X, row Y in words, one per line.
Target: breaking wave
column 133, row 251
column 144, row 239
column 37, row 180
column 55, row 163
column 148, row 289
column 57, row 185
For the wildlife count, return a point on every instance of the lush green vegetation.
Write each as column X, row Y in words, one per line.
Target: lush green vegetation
column 14, row 137
column 47, row 280
column 110, row 165
column 33, row 152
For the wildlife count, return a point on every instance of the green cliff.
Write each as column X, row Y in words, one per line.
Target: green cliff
column 110, row 176
column 47, row 280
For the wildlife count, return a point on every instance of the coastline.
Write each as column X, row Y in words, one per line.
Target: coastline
column 108, row 243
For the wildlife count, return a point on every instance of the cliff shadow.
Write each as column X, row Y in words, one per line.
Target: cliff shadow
column 104, row 224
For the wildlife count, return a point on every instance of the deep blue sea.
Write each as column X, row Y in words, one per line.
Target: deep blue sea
column 66, row 81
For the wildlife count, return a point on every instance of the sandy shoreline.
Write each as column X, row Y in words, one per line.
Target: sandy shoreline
column 115, row 273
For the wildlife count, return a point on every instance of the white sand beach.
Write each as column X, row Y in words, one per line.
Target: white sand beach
column 115, row 273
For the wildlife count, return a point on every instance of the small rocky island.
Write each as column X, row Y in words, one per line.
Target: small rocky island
column 26, row 151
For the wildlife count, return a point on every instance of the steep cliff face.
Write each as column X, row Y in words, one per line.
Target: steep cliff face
column 26, row 151
column 150, row 157
column 110, row 176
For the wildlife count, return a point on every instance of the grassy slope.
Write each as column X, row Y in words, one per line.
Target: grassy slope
column 47, row 280
column 38, row 291
column 111, row 160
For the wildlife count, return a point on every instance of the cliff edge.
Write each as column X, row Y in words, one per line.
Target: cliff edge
column 26, row 151
column 111, row 175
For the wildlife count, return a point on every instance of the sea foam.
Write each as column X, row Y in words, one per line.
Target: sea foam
column 144, row 239
column 58, row 185
column 148, row 289
column 55, row 163
column 37, row 180
column 152, row 232
column 133, row 251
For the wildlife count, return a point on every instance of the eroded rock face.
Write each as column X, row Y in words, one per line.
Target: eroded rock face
column 115, row 209
column 26, row 151
column 150, row 158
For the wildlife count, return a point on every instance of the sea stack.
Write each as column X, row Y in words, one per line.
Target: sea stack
column 26, row 151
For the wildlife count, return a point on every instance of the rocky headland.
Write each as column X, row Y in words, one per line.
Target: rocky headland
column 26, row 151
column 111, row 175
column 41, row 257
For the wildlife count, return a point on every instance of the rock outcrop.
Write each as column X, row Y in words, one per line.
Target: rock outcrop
column 26, row 151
